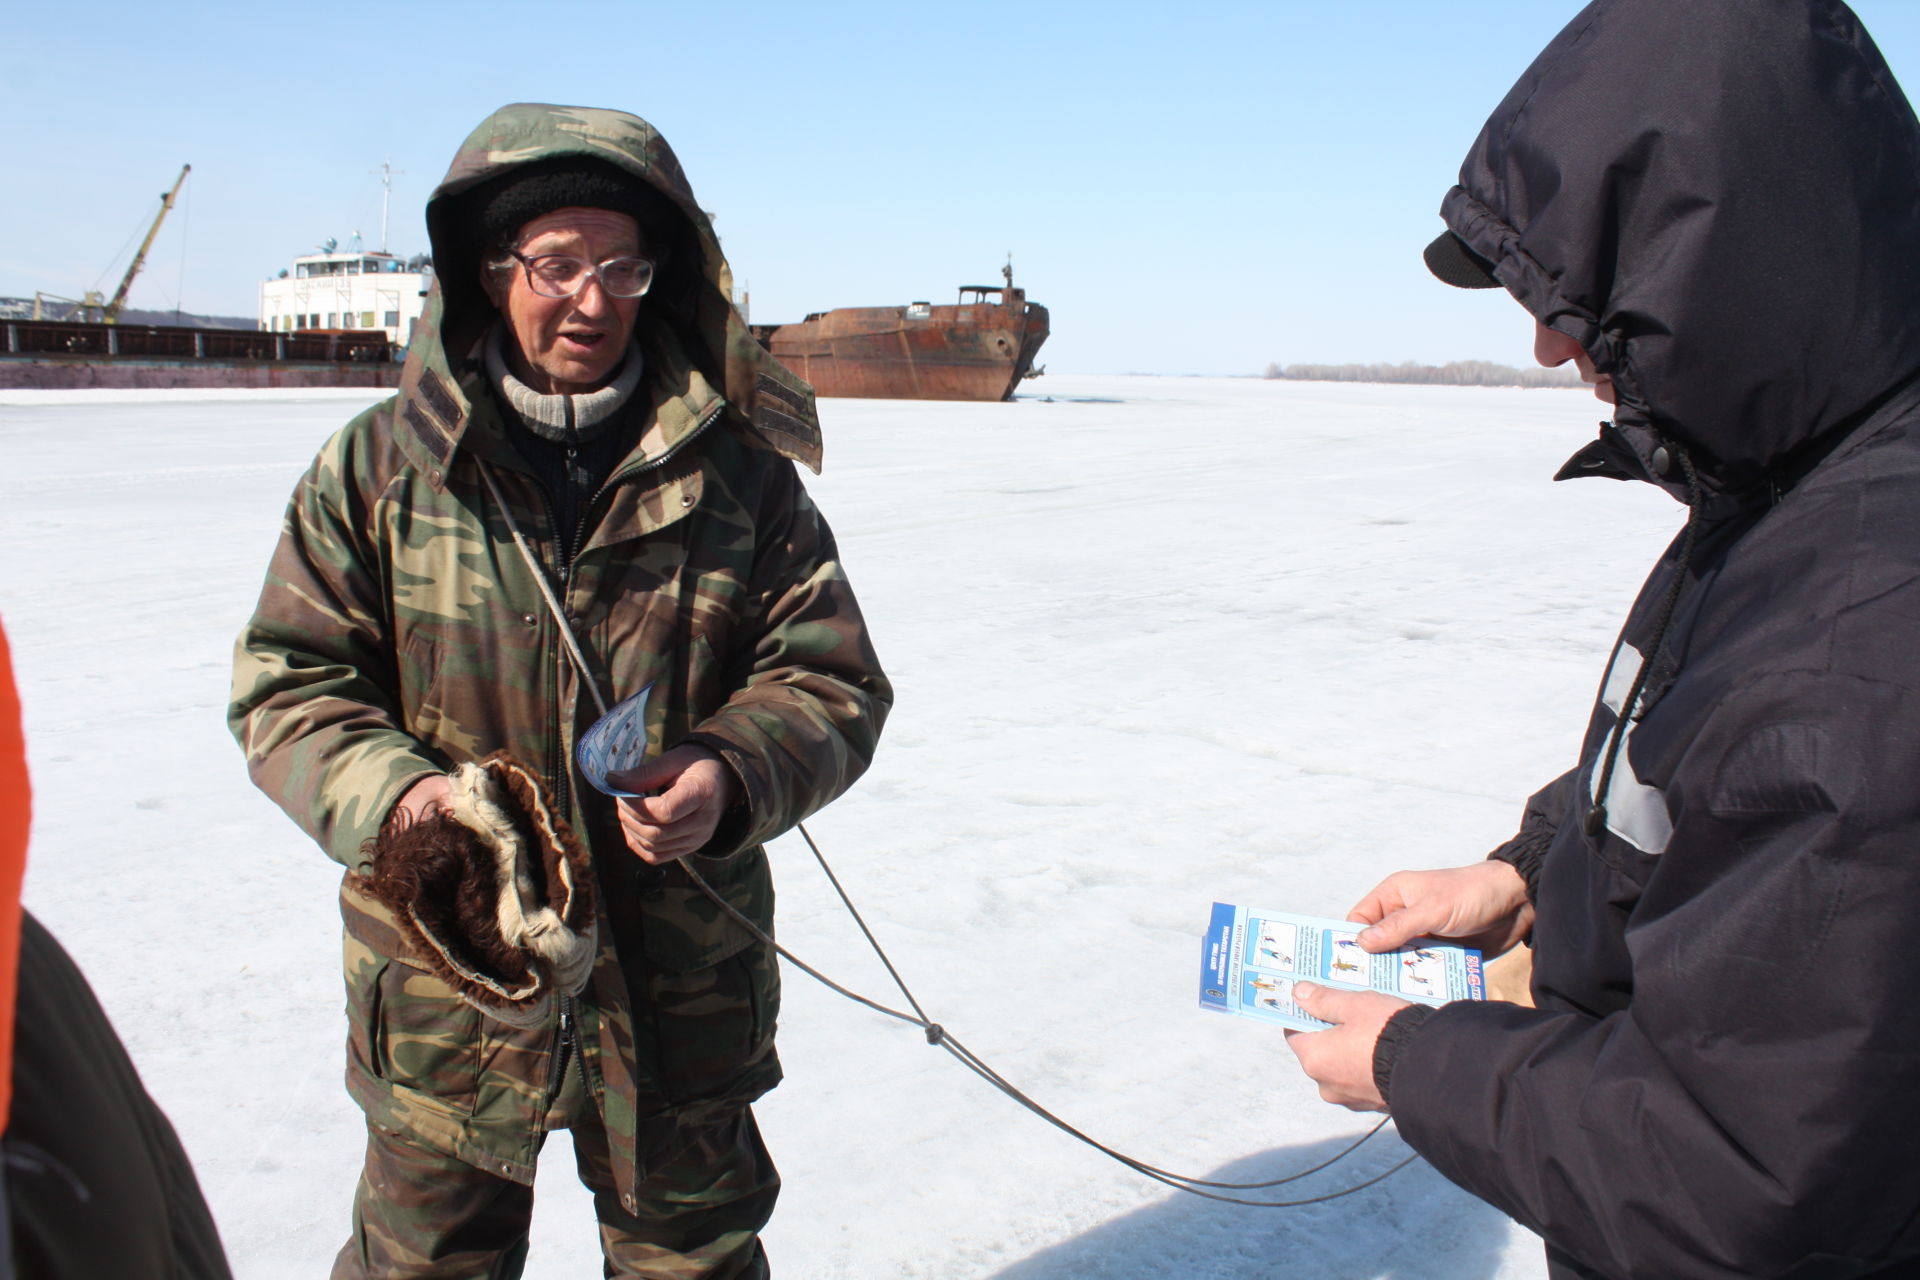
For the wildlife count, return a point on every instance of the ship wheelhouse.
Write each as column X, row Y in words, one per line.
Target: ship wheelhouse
column 354, row 290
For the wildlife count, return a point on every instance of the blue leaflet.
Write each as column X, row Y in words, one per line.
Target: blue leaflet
column 1251, row 957
column 617, row 743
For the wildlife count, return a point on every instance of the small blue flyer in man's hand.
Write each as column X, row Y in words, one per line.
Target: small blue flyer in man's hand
column 616, row 743
column 1251, row 958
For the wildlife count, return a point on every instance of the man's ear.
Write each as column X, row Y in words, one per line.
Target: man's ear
column 493, row 284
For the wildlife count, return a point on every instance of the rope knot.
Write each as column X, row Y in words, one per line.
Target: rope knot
column 935, row 1033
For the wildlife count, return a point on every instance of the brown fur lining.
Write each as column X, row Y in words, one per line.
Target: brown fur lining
column 437, row 879
column 568, row 876
column 440, row 879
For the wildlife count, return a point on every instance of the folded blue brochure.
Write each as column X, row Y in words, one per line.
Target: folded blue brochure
column 1251, row 958
column 617, row 743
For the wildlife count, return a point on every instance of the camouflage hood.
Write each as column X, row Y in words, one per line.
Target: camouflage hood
column 691, row 306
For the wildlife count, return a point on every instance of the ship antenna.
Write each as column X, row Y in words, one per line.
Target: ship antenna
column 1007, row 271
column 386, row 172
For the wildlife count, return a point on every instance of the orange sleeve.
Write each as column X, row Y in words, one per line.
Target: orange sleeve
column 16, row 810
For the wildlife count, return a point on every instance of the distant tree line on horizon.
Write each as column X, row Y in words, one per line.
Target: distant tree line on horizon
column 1457, row 373
column 22, row 309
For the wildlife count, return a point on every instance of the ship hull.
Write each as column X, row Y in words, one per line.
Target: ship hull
column 968, row 352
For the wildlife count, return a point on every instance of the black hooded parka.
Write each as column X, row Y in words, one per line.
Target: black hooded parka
column 1720, row 201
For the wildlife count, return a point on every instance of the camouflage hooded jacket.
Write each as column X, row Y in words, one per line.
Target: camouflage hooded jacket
column 400, row 632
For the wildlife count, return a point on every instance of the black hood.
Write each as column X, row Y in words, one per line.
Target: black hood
column 1720, row 201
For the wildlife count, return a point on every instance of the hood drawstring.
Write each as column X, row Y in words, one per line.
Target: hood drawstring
column 1596, row 819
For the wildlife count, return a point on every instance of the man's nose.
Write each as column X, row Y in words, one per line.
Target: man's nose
column 1551, row 347
column 592, row 299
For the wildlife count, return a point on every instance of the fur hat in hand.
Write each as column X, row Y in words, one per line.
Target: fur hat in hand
column 493, row 892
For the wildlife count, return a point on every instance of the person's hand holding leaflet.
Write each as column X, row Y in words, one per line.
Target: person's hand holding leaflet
column 1483, row 906
column 696, row 787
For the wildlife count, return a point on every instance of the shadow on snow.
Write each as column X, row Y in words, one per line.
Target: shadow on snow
column 1414, row 1226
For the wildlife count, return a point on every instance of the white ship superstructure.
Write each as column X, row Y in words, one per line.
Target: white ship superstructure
column 358, row 290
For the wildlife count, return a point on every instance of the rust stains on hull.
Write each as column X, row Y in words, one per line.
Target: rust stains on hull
column 978, row 349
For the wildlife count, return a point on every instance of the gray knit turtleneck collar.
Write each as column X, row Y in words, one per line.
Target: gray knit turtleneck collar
column 561, row 418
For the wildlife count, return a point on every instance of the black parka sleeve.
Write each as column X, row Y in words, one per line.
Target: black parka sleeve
column 1751, row 1107
column 1538, row 825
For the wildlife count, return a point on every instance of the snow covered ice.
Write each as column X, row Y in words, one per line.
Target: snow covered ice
column 1157, row 641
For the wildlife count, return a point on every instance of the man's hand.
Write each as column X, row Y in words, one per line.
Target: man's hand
column 1484, row 905
column 423, row 798
column 696, row 787
column 1340, row 1059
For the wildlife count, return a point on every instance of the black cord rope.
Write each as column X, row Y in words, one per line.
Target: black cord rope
column 939, row 1035
column 860, row 920
column 935, row 1033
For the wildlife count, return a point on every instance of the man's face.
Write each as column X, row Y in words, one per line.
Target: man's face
column 1553, row 348
column 564, row 346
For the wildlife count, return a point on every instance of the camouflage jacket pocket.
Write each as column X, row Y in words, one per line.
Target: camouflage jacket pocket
column 683, row 929
column 406, row 1029
column 713, row 1030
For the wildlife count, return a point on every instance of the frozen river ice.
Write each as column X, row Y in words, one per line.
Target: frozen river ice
column 1157, row 641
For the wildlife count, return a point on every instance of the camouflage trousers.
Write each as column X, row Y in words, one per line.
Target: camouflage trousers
column 420, row 1215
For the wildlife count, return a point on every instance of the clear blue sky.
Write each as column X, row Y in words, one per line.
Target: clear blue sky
column 1198, row 187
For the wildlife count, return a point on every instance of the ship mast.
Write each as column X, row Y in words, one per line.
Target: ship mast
column 386, row 172
column 112, row 313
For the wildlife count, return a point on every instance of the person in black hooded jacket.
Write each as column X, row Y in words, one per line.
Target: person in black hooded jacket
column 1714, row 207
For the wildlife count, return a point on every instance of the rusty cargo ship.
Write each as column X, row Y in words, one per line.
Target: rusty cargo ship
column 978, row 349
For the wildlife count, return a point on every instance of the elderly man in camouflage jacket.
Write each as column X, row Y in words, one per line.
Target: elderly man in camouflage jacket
column 580, row 380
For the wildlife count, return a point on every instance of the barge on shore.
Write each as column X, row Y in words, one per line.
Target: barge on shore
column 978, row 349
column 49, row 354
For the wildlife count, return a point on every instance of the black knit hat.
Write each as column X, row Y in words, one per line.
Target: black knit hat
column 1449, row 258
column 501, row 207
column 470, row 228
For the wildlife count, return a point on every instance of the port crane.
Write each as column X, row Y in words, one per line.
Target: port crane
column 110, row 311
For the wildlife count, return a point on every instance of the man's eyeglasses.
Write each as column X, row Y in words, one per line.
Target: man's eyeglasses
column 561, row 275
